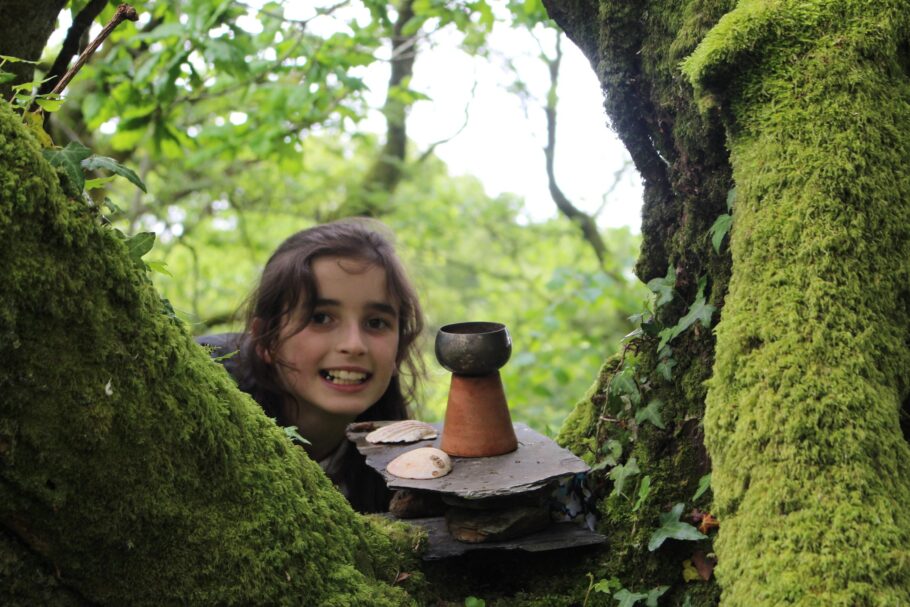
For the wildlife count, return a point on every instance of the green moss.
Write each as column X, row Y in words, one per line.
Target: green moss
column 130, row 466
column 577, row 433
column 802, row 421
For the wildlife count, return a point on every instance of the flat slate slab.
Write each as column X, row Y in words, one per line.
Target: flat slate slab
column 441, row 545
column 537, row 461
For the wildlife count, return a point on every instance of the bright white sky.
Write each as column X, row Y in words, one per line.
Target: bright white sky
column 503, row 144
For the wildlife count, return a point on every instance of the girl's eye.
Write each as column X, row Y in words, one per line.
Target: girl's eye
column 379, row 323
column 320, row 318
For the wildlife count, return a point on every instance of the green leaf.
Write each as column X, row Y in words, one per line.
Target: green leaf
column 719, row 230
column 624, row 383
column 50, row 105
column 731, row 198
column 6, row 77
column 654, row 594
column 140, row 244
column 627, row 598
column 651, row 413
column 612, row 450
column 704, row 483
column 93, row 163
column 292, row 433
column 607, row 586
column 473, row 601
column 663, row 287
column 230, row 355
column 158, row 266
column 699, row 311
column 644, row 489
column 672, row 528
column 11, row 59
column 665, row 368
column 69, row 159
column 94, row 184
column 621, row 473
column 111, row 205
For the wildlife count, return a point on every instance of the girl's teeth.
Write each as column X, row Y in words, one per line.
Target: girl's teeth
column 339, row 376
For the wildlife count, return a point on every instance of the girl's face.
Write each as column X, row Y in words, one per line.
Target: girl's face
column 343, row 360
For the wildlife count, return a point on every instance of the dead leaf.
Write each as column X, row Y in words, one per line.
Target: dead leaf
column 401, row 577
column 703, row 564
column 708, row 522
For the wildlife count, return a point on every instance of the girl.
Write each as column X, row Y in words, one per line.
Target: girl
column 330, row 339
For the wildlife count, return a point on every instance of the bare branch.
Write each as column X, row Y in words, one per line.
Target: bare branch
column 79, row 28
column 584, row 221
column 467, row 114
column 124, row 12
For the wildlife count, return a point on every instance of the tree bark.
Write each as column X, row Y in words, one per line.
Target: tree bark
column 25, row 38
column 804, row 401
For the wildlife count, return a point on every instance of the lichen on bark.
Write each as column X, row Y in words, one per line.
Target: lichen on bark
column 127, row 456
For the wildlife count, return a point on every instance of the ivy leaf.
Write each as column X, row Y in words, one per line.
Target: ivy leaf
column 719, row 230
column 159, row 267
column 94, row 184
column 50, row 105
column 613, row 449
column 624, row 384
column 621, row 472
column 627, row 598
column 672, row 528
column 703, row 484
column 665, row 368
column 140, row 244
column 607, row 586
column 651, row 413
column 654, row 594
column 292, row 433
column 69, row 159
column 663, row 287
column 94, row 163
column 644, row 489
column 700, row 311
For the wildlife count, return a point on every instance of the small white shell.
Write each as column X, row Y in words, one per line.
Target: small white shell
column 422, row 463
column 406, row 431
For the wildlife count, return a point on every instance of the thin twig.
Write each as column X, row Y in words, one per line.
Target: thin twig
column 467, row 115
column 125, row 12
column 81, row 24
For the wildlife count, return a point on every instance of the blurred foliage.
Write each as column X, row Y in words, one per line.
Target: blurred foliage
column 246, row 122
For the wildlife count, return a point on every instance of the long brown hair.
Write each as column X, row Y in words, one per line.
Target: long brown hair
column 288, row 284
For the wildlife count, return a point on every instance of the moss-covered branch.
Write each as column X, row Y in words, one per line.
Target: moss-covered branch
column 803, row 410
column 131, row 469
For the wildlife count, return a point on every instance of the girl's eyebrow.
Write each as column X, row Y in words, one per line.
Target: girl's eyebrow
column 376, row 306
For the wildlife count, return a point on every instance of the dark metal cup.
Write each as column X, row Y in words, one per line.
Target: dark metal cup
column 473, row 348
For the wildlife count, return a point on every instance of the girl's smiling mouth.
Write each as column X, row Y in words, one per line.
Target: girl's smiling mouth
column 344, row 377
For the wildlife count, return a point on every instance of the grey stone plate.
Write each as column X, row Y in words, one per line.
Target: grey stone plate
column 537, row 461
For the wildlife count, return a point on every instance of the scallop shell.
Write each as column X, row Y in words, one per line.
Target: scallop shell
column 406, row 431
column 422, row 463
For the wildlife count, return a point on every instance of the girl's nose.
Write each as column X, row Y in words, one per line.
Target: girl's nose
column 351, row 340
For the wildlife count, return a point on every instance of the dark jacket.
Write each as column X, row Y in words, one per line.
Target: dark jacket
column 360, row 484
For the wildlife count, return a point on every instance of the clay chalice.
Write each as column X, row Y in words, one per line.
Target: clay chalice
column 477, row 420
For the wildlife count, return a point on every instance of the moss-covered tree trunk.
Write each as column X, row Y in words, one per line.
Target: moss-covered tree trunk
column 803, row 410
column 132, row 471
